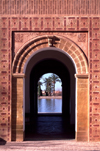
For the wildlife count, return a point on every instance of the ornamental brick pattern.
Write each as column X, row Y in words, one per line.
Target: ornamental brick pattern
column 42, row 42
column 69, row 7
column 31, row 15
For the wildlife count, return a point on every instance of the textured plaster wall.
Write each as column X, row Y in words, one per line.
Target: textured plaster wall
column 72, row 15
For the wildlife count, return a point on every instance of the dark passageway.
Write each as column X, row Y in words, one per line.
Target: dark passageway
column 49, row 126
column 46, row 66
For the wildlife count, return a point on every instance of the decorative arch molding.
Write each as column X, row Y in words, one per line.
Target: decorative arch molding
column 46, row 41
column 82, row 83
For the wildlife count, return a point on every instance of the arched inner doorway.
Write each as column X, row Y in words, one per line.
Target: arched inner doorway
column 46, row 66
column 49, row 95
column 27, row 58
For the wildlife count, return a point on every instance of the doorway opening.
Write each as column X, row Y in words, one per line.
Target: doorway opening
column 52, row 125
column 65, row 59
column 49, row 97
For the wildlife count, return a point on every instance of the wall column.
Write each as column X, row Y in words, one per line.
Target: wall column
column 17, row 107
column 82, row 130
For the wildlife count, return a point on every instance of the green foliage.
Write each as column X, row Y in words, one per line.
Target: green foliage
column 39, row 88
column 49, row 84
column 55, row 78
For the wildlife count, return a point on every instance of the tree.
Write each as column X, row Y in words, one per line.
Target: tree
column 48, row 82
column 39, row 88
column 55, row 78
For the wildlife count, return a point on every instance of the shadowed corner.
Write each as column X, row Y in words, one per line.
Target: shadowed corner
column 2, row 141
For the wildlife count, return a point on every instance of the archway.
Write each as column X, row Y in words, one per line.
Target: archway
column 44, row 66
column 49, row 94
column 28, row 57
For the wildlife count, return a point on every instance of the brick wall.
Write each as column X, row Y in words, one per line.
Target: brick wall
column 68, row 7
column 74, row 16
column 17, row 109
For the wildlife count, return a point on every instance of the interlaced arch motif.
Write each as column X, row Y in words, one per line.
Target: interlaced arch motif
column 46, row 41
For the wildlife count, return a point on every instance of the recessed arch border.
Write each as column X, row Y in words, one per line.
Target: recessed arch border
column 75, row 54
column 64, row 44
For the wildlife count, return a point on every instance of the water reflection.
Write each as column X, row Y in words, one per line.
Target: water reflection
column 49, row 105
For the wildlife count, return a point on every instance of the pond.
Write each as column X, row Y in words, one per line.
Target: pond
column 49, row 105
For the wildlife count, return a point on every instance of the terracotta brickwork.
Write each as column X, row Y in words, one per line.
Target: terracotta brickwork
column 79, row 17
column 43, row 7
column 22, row 38
column 17, row 109
column 82, row 109
column 78, row 57
column 41, row 42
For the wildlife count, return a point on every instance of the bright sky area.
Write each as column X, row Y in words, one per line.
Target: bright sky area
column 58, row 86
